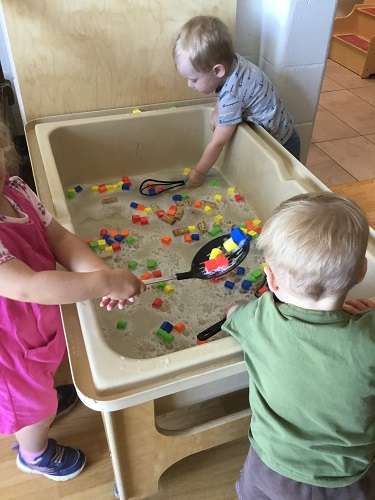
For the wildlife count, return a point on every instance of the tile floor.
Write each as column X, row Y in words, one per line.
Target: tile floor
column 343, row 142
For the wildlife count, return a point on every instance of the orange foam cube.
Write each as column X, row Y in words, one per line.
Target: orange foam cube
column 166, row 240
column 179, row 327
column 146, row 276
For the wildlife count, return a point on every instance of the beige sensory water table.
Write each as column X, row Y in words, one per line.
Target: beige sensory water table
column 69, row 150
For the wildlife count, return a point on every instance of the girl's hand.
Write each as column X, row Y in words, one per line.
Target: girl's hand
column 357, row 306
column 112, row 303
column 124, row 287
column 195, row 179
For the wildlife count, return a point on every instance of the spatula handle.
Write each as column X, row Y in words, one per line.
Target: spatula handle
column 211, row 330
column 184, row 276
column 151, row 281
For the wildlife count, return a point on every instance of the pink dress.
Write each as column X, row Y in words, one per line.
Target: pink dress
column 32, row 342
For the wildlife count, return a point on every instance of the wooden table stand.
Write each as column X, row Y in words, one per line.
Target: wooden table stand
column 141, row 451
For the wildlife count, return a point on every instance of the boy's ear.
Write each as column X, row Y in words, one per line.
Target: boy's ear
column 219, row 70
column 272, row 283
column 364, row 270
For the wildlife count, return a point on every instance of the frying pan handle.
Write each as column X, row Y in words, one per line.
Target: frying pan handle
column 211, row 330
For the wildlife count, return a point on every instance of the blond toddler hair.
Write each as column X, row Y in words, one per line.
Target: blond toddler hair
column 315, row 244
column 207, row 41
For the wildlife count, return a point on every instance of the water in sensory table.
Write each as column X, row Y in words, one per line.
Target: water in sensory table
column 195, row 303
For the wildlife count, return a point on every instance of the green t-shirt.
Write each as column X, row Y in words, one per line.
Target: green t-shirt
column 312, row 389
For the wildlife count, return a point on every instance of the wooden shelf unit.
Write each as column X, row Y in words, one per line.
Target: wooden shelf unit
column 353, row 40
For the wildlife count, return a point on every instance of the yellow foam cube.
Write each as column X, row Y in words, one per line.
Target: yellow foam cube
column 218, row 218
column 214, row 253
column 191, row 229
column 263, row 265
column 168, row 289
column 115, row 187
column 109, row 187
column 102, row 243
column 231, row 190
column 137, row 111
column 230, row 245
column 207, row 209
column 257, row 222
column 109, row 249
column 186, row 171
column 218, row 197
column 253, row 233
column 94, row 188
column 148, row 210
column 71, row 190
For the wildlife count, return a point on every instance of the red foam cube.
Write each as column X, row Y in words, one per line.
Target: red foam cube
column 116, row 246
column 156, row 274
column 157, row 303
column 210, row 265
column 221, row 260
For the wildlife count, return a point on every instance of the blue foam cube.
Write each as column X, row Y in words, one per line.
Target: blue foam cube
column 133, row 204
column 229, row 284
column 166, row 326
column 237, row 235
column 246, row 285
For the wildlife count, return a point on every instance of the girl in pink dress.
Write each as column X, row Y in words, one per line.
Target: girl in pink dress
column 32, row 343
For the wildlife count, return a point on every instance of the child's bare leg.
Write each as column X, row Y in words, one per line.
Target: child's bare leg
column 34, row 437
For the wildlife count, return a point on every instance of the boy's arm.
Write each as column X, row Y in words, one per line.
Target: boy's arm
column 214, row 117
column 357, row 306
column 220, row 138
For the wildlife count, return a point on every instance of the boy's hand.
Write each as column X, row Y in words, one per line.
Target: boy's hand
column 231, row 310
column 357, row 306
column 195, row 179
column 124, row 287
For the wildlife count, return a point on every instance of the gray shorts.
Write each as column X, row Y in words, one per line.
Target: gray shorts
column 259, row 482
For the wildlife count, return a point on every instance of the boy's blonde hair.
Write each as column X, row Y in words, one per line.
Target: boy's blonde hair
column 11, row 158
column 316, row 244
column 207, row 41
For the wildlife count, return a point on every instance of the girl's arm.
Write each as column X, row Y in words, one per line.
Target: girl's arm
column 91, row 277
column 71, row 252
column 19, row 282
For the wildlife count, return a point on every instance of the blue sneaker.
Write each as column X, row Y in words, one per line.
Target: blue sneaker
column 58, row 463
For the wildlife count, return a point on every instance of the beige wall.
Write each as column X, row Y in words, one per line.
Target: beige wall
column 344, row 7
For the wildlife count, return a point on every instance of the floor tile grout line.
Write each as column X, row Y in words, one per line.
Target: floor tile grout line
column 330, row 157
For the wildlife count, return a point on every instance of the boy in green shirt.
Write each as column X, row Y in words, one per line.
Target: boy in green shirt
column 311, row 361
